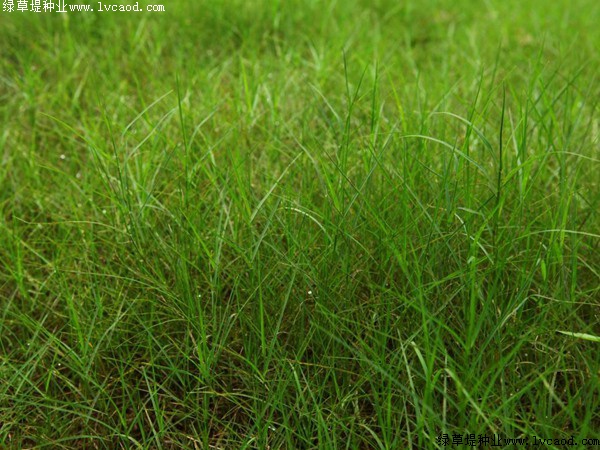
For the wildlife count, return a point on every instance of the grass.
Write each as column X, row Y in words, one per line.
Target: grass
column 310, row 224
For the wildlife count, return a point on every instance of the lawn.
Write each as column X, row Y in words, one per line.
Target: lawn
column 301, row 224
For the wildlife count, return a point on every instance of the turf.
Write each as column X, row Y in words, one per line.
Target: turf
column 300, row 224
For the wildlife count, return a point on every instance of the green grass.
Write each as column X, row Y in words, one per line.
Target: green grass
column 300, row 224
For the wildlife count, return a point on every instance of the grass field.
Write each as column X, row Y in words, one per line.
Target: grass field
column 300, row 224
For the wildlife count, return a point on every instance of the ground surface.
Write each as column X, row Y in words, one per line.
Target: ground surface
column 300, row 224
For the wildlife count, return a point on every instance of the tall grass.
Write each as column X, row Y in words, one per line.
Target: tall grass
column 299, row 225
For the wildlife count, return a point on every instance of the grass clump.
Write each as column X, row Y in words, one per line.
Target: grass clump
column 299, row 225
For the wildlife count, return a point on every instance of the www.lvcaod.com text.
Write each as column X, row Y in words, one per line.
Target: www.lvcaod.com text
column 41, row 6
